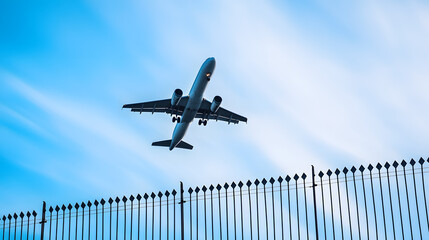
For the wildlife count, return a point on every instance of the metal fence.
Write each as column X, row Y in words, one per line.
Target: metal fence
column 375, row 202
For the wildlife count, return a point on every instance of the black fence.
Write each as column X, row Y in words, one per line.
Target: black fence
column 375, row 202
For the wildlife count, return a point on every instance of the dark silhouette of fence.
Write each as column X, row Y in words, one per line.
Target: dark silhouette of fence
column 374, row 202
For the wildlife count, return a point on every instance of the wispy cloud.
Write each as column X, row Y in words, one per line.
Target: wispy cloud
column 295, row 82
column 82, row 123
column 351, row 104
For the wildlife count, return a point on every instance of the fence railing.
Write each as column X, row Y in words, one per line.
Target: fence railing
column 375, row 202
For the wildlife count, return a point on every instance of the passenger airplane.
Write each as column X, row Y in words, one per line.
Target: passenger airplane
column 189, row 107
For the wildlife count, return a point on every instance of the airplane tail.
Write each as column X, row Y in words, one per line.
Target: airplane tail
column 167, row 143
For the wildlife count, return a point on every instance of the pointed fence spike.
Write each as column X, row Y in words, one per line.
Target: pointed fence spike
column 370, row 167
column 321, row 174
column 167, row 194
column 226, row 186
column 89, row 204
column 280, row 179
column 387, row 165
column 51, row 209
column 190, row 190
column 329, row 172
column 110, row 201
column 34, row 213
column 197, row 189
column 124, row 199
column 257, row 182
column 296, row 177
column 304, row 176
column 403, row 163
column 211, row 187
column 421, row 161
column 160, row 195
column 132, row 198
column 337, row 171
column 69, row 207
column 379, row 166
column 22, row 215
column 240, row 184
column 248, row 183
column 395, row 164
column 57, row 208
column 233, row 185
column 272, row 180
column 139, row 197
column 287, row 178
column 345, row 170
column 264, row 181
column 218, row 187
column 204, row 188
column 174, row 192
column 117, row 200
column 412, row 162
column 152, row 195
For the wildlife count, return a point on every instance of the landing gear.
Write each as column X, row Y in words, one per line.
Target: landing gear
column 204, row 122
column 174, row 119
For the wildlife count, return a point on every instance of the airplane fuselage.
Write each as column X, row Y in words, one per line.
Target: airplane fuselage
column 194, row 102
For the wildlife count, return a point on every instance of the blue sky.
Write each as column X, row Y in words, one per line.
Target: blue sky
column 322, row 83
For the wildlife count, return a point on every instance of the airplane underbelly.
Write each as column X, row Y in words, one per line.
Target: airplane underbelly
column 191, row 109
column 179, row 132
column 189, row 115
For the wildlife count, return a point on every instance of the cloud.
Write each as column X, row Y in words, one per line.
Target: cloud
column 327, row 97
column 107, row 152
column 84, row 125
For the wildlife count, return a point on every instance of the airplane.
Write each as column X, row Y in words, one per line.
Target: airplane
column 184, row 109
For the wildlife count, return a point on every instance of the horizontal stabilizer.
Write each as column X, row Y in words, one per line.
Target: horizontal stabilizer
column 184, row 145
column 167, row 143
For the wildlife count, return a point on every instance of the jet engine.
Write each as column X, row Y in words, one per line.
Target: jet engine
column 177, row 94
column 215, row 104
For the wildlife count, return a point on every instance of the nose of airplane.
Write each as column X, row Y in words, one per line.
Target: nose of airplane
column 211, row 62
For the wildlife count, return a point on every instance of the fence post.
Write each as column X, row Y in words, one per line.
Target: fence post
column 314, row 202
column 42, row 230
column 182, row 220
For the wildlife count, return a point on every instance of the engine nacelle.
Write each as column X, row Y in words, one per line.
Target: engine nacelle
column 215, row 104
column 177, row 94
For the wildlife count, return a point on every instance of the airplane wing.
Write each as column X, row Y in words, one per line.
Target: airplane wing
column 162, row 106
column 221, row 114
